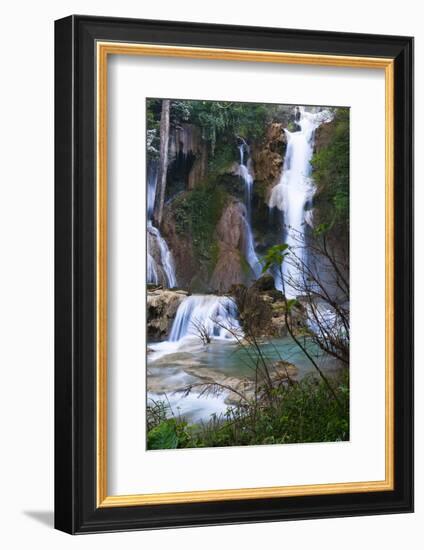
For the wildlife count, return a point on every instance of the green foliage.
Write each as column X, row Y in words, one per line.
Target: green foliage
column 223, row 120
column 197, row 213
column 291, row 303
column 331, row 172
column 274, row 256
column 164, row 436
column 223, row 158
column 321, row 228
column 169, row 434
column 302, row 412
column 153, row 112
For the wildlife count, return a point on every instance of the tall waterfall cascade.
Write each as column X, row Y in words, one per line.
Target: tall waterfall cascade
column 294, row 192
column 160, row 263
column 245, row 174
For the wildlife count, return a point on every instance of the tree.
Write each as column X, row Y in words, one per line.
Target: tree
column 163, row 160
column 322, row 288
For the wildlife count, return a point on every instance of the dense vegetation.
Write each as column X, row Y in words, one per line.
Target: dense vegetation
column 331, row 173
column 196, row 214
column 220, row 123
column 300, row 412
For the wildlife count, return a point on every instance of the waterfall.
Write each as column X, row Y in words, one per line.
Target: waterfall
column 197, row 317
column 152, row 179
column 215, row 315
column 160, row 263
column 295, row 190
column 246, row 176
column 166, row 265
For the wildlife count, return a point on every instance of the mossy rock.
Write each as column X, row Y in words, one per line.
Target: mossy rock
column 266, row 282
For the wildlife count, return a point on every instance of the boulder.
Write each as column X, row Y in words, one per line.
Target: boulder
column 266, row 282
column 162, row 306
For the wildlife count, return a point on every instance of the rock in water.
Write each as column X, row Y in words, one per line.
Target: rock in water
column 162, row 306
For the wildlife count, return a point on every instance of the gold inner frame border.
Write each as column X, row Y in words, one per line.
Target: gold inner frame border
column 103, row 50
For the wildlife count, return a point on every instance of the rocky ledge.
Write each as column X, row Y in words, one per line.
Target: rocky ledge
column 162, row 306
column 262, row 309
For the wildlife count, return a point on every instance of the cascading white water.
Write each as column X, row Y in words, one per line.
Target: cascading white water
column 246, row 176
column 197, row 317
column 160, row 265
column 215, row 315
column 166, row 259
column 295, row 190
column 152, row 179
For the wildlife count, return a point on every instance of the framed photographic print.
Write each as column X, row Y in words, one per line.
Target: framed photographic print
column 233, row 274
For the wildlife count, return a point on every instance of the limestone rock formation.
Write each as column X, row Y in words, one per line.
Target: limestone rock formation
column 268, row 158
column 162, row 306
column 230, row 235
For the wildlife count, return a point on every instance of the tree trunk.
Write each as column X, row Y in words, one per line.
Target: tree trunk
column 163, row 162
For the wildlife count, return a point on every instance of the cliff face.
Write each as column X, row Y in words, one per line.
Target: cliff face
column 231, row 239
column 204, row 224
column 181, row 246
column 268, row 157
column 337, row 235
column 226, row 266
column 213, row 260
column 323, row 136
column 188, row 154
column 162, row 306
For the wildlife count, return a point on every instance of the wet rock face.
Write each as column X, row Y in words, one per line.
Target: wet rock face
column 181, row 248
column 162, row 306
column 186, row 143
column 268, row 158
column 323, row 136
column 230, row 235
column 230, row 227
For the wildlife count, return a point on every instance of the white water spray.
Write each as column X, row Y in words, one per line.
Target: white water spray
column 246, row 176
column 295, row 190
column 216, row 315
column 199, row 316
column 160, row 263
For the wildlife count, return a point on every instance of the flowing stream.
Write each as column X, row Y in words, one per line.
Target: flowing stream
column 160, row 263
column 294, row 192
column 246, row 175
column 200, row 320
column 185, row 358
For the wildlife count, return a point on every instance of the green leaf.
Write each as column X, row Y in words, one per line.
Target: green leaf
column 321, row 228
column 291, row 303
column 163, row 436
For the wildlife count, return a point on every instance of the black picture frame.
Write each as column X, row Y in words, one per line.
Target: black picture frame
column 76, row 510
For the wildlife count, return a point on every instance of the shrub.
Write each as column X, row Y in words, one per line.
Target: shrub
column 300, row 412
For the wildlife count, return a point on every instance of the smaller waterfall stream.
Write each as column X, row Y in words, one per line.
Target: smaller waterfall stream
column 160, row 263
column 246, row 176
column 214, row 314
column 198, row 316
column 209, row 313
